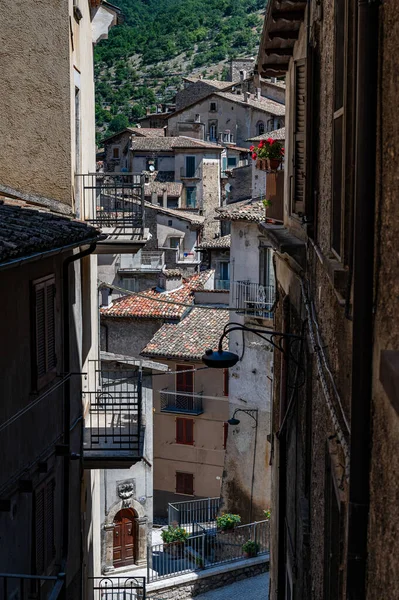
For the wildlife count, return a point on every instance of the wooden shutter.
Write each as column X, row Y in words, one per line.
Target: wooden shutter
column 184, row 431
column 39, row 531
column 299, row 139
column 185, row 380
column 44, row 526
column 44, row 318
column 49, row 522
column 225, row 434
column 185, row 483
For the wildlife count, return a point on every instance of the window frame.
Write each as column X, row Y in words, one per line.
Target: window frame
column 39, row 381
column 260, row 125
column 193, row 190
column 186, row 439
column 190, row 157
column 215, row 104
column 185, row 493
column 115, row 150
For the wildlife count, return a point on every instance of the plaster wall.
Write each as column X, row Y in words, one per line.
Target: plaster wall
column 176, row 229
column 127, row 336
column 166, row 162
column 35, row 112
column 258, row 181
column 211, row 196
column 206, row 456
column 122, row 142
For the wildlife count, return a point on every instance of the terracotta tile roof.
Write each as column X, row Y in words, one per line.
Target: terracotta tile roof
column 147, row 131
column 199, row 330
column 171, row 143
column 277, row 134
column 25, row 231
column 138, row 307
column 186, row 215
column 247, row 210
column 265, row 104
column 220, row 242
column 173, row 188
column 220, row 85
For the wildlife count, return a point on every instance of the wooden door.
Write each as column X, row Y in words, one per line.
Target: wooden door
column 185, row 380
column 125, row 538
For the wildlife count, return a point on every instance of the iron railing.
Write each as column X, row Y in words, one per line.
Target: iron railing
column 113, row 429
column 113, row 200
column 30, row 587
column 205, row 548
column 188, row 174
column 253, row 299
column 193, row 511
column 181, row 402
column 117, row 588
column 222, row 284
column 188, row 257
column 142, row 261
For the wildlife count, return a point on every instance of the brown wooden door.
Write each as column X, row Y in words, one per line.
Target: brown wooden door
column 124, row 538
column 185, row 380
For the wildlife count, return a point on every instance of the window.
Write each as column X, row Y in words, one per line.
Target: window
column 172, row 203
column 130, row 283
column 45, row 359
column 226, row 382
column 115, row 152
column 299, row 139
column 174, row 242
column 338, row 127
column 185, row 379
column 44, row 527
column 213, row 131
column 191, row 197
column 224, row 271
column 190, row 166
column 232, row 161
column 184, row 431
column 185, row 483
column 224, row 165
column 260, row 128
column 225, row 435
column 213, row 107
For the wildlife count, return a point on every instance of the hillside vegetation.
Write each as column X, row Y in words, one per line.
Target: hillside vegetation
column 143, row 60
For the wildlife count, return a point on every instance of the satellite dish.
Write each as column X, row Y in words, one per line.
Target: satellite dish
column 152, row 168
column 227, row 187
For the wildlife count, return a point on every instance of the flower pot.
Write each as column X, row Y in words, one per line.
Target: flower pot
column 250, row 554
column 274, row 163
column 261, row 164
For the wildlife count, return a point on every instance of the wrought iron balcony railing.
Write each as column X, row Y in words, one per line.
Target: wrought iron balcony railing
column 113, row 429
column 142, row 261
column 29, row 587
column 116, row 588
column 181, row 402
column 113, row 201
column 253, row 299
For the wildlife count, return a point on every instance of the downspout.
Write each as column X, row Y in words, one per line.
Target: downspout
column 363, row 271
column 67, row 395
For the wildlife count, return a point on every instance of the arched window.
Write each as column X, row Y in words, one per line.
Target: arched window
column 260, row 128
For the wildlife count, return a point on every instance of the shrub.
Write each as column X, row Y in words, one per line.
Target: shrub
column 251, row 548
column 228, row 521
column 267, row 513
column 174, row 534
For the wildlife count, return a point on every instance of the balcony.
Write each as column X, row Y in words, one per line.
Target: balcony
column 113, row 430
column 116, row 588
column 142, row 262
column 114, row 202
column 187, row 257
column 181, row 402
column 253, row 299
column 29, row 587
column 189, row 174
column 222, row 284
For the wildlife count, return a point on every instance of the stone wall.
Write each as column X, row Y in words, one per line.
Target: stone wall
column 193, row 584
column 211, row 196
column 241, row 184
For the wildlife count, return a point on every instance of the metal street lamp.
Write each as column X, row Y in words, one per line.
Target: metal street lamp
column 224, row 359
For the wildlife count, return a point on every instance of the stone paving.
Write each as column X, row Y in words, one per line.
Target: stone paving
column 253, row 588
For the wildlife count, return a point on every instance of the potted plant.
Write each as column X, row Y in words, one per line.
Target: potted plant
column 268, row 514
column 200, row 562
column 174, row 539
column 266, row 203
column 227, row 521
column 250, row 548
column 268, row 154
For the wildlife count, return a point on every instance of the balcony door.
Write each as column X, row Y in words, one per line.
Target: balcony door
column 185, row 386
column 125, row 538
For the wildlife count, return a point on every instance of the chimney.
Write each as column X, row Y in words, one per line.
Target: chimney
column 165, row 198
column 258, row 93
column 154, row 198
column 170, row 279
column 246, row 95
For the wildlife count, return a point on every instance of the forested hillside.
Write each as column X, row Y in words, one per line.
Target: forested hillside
column 143, row 60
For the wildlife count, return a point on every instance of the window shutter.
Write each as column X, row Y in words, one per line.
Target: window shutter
column 50, row 326
column 40, row 310
column 39, row 531
column 189, row 431
column 44, row 316
column 179, row 430
column 299, row 140
column 49, row 526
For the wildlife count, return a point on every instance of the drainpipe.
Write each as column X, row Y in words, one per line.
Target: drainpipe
column 67, row 395
column 363, row 261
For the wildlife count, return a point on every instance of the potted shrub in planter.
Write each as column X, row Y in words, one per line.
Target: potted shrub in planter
column 268, row 154
column 174, row 539
column 250, row 548
column 227, row 521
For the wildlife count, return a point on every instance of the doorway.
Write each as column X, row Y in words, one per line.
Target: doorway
column 125, row 538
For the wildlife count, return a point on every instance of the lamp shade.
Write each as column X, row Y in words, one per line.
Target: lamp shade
column 220, row 359
column 233, row 421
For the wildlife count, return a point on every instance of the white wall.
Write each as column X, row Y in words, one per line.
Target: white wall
column 178, row 227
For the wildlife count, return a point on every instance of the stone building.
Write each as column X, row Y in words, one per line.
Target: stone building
column 116, row 146
column 335, row 429
column 197, row 88
column 190, row 407
column 246, row 486
column 216, row 256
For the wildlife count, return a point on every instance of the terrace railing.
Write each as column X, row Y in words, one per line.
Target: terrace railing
column 28, row 587
column 253, row 299
column 113, row 201
column 193, row 511
column 205, row 548
column 117, row 588
column 181, row 402
column 113, row 431
column 142, row 261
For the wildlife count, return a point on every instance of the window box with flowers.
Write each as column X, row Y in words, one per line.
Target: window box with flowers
column 268, row 154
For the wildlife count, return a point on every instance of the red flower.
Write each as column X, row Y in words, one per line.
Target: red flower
column 252, row 148
column 282, row 151
column 261, row 144
column 254, row 156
